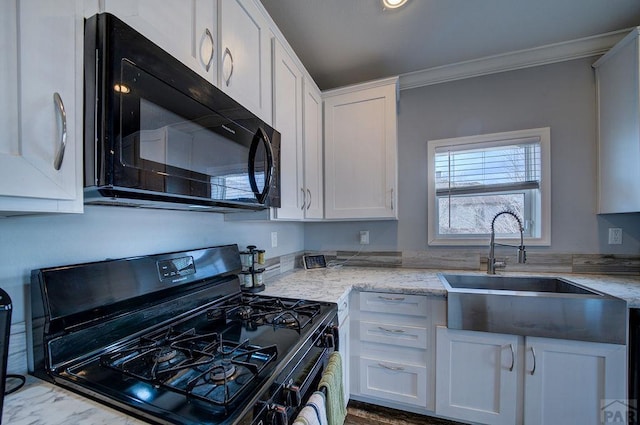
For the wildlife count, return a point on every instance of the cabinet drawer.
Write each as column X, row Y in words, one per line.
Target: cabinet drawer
column 397, row 335
column 411, row 305
column 393, row 381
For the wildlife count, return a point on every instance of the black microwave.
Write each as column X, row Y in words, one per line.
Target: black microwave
column 159, row 135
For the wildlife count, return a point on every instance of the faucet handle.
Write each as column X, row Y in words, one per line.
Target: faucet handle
column 522, row 255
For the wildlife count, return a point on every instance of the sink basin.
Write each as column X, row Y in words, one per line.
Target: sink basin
column 527, row 284
column 533, row 306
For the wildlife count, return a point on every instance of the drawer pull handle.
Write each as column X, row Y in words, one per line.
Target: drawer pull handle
column 393, row 331
column 394, row 368
column 391, row 298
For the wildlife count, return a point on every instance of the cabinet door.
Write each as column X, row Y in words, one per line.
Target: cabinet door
column 617, row 77
column 476, row 376
column 245, row 55
column 185, row 29
column 312, row 112
column 566, row 381
column 287, row 119
column 37, row 130
column 361, row 153
column 344, row 335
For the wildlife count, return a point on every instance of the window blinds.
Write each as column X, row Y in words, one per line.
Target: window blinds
column 501, row 166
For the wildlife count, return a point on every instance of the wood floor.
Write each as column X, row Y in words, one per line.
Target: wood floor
column 367, row 414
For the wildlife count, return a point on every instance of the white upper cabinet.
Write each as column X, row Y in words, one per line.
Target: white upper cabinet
column 41, row 106
column 245, row 55
column 313, row 163
column 287, row 119
column 361, row 151
column 297, row 115
column 618, row 93
column 185, row 29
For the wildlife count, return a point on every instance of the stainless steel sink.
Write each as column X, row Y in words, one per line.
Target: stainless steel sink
column 534, row 306
column 527, row 284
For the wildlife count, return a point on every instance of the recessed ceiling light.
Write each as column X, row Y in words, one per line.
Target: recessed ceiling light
column 393, row 4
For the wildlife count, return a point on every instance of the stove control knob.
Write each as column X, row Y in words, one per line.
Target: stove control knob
column 278, row 415
column 292, row 394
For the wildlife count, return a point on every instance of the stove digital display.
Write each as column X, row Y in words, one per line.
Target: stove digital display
column 176, row 268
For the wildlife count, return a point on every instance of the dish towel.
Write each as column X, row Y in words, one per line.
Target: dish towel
column 314, row 412
column 331, row 381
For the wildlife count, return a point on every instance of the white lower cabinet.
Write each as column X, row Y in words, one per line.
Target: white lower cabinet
column 391, row 349
column 567, row 381
column 476, row 376
column 507, row 379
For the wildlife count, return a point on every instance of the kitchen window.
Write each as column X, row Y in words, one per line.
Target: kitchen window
column 471, row 179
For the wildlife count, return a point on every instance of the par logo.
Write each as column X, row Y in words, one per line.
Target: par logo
column 618, row 411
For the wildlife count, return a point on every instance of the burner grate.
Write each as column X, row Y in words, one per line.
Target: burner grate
column 203, row 366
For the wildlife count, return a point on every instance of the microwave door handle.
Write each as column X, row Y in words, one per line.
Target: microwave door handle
column 260, row 137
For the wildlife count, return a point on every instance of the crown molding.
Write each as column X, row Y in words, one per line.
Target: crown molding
column 537, row 56
column 360, row 86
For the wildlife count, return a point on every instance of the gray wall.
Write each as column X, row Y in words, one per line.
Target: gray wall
column 560, row 96
column 33, row 242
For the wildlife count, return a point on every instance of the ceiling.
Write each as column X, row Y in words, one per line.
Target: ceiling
column 342, row 42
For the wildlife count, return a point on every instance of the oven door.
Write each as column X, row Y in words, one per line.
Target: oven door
column 300, row 379
column 170, row 143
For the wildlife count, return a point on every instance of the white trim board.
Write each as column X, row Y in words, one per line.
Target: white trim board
column 537, row 56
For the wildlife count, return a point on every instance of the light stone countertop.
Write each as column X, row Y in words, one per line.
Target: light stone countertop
column 41, row 403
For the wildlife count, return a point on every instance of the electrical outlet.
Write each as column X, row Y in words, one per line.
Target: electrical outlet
column 615, row 236
column 364, row 237
column 274, row 239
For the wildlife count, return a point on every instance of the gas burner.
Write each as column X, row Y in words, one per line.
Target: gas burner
column 222, row 370
column 286, row 318
column 164, row 354
column 245, row 312
column 158, row 356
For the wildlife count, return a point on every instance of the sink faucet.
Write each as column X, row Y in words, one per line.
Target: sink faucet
column 492, row 264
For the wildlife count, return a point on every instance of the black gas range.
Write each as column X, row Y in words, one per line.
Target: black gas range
column 172, row 339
